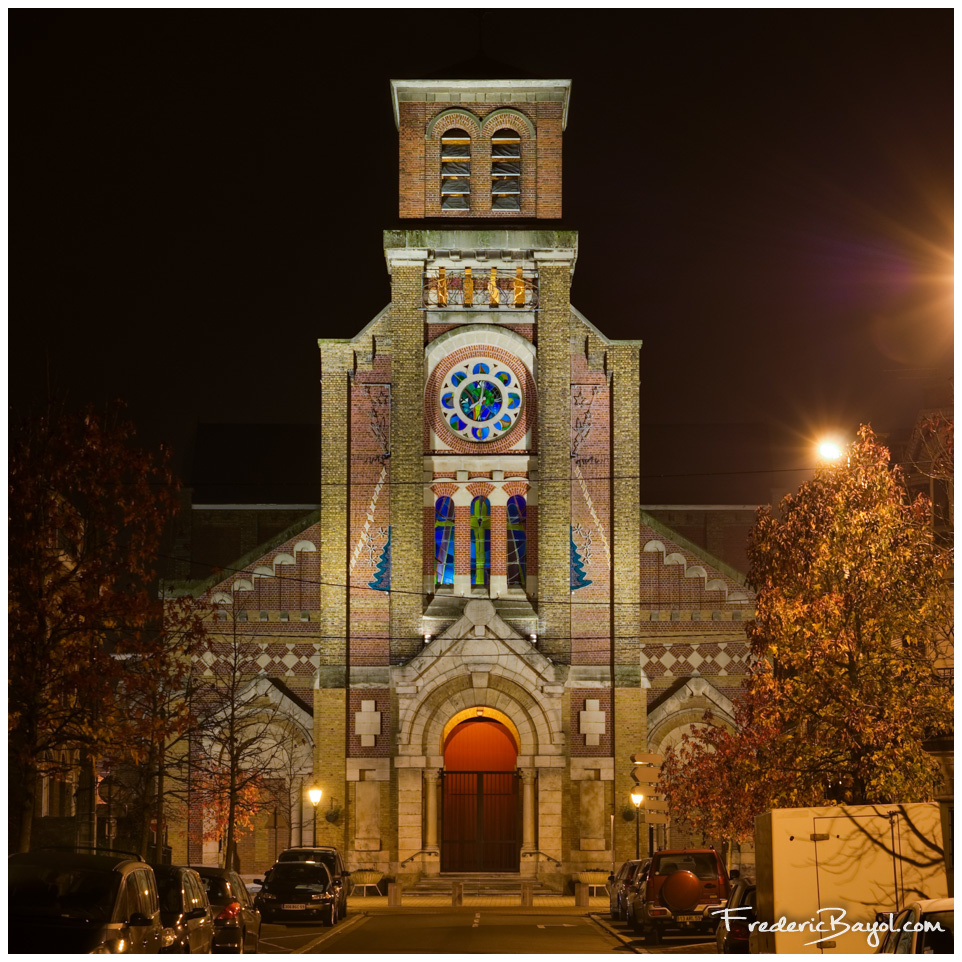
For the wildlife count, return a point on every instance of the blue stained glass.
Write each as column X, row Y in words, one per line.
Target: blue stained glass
column 458, row 377
column 480, row 433
column 480, row 400
column 517, row 541
column 504, row 423
column 480, row 369
column 447, row 400
column 514, row 400
column 444, row 541
column 503, row 377
column 457, row 423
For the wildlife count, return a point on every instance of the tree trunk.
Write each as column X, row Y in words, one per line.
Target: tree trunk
column 159, row 847
column 27, row 788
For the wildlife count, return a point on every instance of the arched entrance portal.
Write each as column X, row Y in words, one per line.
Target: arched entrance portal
column 480, row 813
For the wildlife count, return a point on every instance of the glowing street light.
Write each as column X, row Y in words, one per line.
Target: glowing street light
column 315, row 796
column 637, row 798
column 829, row 450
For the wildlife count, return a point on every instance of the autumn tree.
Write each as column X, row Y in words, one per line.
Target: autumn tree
column 237, row 744
column 853, row 610
column 719, row 777
column 86, row 511
column 157, row 718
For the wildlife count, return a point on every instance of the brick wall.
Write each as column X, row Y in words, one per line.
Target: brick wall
column 554, row 445
column 407, row 495
column 421, row 127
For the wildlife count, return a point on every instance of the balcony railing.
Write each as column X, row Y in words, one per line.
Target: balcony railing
column 471, row 288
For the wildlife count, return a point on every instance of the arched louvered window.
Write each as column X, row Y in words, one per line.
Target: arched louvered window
column 505, row 170
column 443, row 542
column 480, row 543
column 517, row 542
column 455, row 170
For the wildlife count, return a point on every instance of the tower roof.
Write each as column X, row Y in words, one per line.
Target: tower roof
column 496, row 91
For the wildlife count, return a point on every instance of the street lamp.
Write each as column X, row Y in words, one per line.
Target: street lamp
column 637, row 798
column 315, row 796
column 830, row 449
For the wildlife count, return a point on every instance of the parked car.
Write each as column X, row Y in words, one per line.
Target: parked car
column 184, row 910
column 62, row 902
column 905, row 937
column 680, row 890
column 618, row 884
column 732, row 932
column 327, row 855
column 237, row 922
column 299, row 892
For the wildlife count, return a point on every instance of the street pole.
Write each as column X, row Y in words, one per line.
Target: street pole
column 637, row 798
column 315, row 796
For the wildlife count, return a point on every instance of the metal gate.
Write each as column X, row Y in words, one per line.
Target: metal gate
column 480, row 822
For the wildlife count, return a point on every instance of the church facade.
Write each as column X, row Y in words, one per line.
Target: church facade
column 481, row 626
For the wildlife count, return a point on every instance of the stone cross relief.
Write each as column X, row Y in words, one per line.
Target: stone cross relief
column 367, row 723
column 592, row 721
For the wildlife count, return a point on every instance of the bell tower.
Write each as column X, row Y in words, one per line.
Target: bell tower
column 480, row 460
column 472, row 149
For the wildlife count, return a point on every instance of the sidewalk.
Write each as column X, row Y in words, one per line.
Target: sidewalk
column 542, row 903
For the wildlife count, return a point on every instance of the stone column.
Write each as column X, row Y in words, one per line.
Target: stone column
column 527, row 809
column 431, row 809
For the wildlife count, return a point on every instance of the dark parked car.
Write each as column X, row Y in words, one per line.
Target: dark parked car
column 619, row 883
column 61, row 902
column 299, row 892
column 732, row 932
column 237, row 923
column 329, row 856
column 184, row 910
column 681, row 889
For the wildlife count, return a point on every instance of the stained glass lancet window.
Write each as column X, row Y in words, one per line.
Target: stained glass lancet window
column 444, row 541
column 480, row 542
column 517, row 544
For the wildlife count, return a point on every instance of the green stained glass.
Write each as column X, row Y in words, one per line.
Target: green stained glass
column 480, row 400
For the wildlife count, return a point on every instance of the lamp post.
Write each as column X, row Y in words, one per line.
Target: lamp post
column 315, row 796
column 637, row 798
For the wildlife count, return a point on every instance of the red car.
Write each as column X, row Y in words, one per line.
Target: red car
column 681, row 890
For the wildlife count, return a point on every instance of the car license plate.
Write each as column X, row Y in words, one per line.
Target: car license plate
column 294, row 907
column 688, row 918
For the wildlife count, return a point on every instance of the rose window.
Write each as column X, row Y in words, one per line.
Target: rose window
column 480, row 399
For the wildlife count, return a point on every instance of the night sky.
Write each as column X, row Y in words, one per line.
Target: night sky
column 763, row 197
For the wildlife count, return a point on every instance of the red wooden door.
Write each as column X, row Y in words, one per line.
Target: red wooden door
column 480, row 816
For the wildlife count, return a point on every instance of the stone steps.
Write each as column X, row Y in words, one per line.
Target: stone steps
column 476, row 884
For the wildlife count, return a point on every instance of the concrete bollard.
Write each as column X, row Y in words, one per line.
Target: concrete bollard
column 581, row 894
column 527, row 893
column 393, row 893
column 457, row 893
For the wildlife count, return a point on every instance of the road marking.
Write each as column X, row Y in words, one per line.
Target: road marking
column 334, row 930
column 559, row 925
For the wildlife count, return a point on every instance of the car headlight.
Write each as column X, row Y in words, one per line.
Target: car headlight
column 113, row 947
column 266, row 897
column 321, row 896
column 167, row 938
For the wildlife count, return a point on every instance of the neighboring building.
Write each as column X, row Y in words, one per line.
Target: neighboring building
column 484, row 620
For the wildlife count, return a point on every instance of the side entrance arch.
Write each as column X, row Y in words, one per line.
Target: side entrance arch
column 480, row 812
